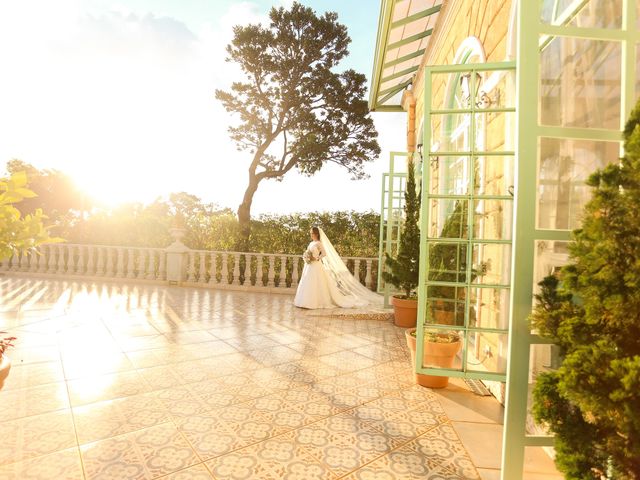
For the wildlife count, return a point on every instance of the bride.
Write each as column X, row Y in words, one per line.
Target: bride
column 326, row 282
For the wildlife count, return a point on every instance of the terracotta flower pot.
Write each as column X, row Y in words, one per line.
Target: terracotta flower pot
column 405, row 312
column 5, row 366
column 438, row 354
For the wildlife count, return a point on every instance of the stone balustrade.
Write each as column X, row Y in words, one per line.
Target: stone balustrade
column 177, row 265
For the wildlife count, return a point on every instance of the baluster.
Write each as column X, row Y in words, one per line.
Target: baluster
column 246, row 273
column 45, row 251
column 113, row 262
column 120, row 267
column 212, row 269
column 192, row 267
column 51, row 264
column 33, row 261
column 91, row 265
column 162, row 268
column 260, row 271
column 151, row 265
column 282, row 282
column 294, row 272
column 15, row 262
column 80, row 263
column 368, row 279
column 271, row 274
column 24, row 262
column 236, row 269
column 61, row 262
column 202, row 277
column 356, row 269
column 225, row 270
column 131, row 266
column 104, row 266
column 71, row 259
column 141, row 263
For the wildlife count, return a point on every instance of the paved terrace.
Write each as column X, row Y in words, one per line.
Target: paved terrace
column 122, row 381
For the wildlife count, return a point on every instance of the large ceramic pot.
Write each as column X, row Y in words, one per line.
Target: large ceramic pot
column 405, row 312
column 5, row 366
column 435, row 353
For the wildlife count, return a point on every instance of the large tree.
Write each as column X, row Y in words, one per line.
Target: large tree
column 292, row 109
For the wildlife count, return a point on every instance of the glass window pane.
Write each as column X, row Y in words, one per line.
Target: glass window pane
column 493, row 131
column 580, row 83
column 491, row 264
column 487, row 352
column 446, row 305
column 549, row 257
column 492, row 219
column 489, row 308
column 449, row 175
column 564, row 166
column 496, row 89
column 493, row 175
column 590, row 14
column 447, row 262
column 448, row 218
column 450, row 132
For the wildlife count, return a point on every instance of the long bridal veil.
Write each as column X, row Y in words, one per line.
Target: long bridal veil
column 350, row 292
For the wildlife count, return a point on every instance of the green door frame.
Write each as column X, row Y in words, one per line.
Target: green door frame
column 470, row 197
column 391, row 211
column 533, row 37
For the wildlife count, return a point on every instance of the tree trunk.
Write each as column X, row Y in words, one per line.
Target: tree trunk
column 244, row 214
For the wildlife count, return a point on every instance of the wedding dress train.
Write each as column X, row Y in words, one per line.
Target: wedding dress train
column 327, row 283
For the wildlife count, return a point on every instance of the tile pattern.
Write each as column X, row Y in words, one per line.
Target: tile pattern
column 118, row 381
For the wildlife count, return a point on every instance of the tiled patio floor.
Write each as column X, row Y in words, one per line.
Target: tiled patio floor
column 115, row 381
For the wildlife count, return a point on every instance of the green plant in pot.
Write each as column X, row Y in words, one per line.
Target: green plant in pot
column 403, row 271
column 5, row 364
column 440, row 350
column 591, row 402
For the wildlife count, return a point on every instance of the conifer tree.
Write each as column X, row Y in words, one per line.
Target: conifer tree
column 403, row 271
column 592, row 312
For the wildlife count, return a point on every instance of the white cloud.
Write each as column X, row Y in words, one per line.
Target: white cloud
column 123, row 100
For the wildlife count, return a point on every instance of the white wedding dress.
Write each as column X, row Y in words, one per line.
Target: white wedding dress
column 327, row 283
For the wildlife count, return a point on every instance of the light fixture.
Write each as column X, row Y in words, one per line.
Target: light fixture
column 481, row 98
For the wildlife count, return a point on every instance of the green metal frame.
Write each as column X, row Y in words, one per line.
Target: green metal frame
column 534, row 37
column 470, row 197
column 391, row 211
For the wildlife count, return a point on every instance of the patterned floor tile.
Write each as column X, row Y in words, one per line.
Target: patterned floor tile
column 144, row 454
column 18, row 403
column 197, row 472
column 106, row 387
column 115, row 417
column 37, row 435
column 278, row 458
column 62, row 465
column 166, row 378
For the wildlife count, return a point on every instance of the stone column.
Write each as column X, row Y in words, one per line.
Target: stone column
column 176, row 257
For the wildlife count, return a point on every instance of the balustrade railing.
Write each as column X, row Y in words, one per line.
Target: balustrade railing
column 217, row 269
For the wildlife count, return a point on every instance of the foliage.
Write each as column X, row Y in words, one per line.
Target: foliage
column 440, row 336
column 5, row 343
column 19, row 233
column 592, row 401
column 403, row 271
column 293, row 110
column 55, row 193
column 211, row 228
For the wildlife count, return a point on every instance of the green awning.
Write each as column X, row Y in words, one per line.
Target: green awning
column 404, row 30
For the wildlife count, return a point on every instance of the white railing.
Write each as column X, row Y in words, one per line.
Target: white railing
column 215, row 269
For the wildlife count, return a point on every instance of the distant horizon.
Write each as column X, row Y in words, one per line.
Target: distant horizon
column 130, row 85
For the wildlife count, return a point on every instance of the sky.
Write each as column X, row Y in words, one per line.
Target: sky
column 120, row 95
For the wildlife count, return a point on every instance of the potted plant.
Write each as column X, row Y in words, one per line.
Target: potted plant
column 5, row 363
column 403, row 271
column 440, row 349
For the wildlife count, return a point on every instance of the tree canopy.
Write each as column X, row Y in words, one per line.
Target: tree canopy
column 292, row 109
